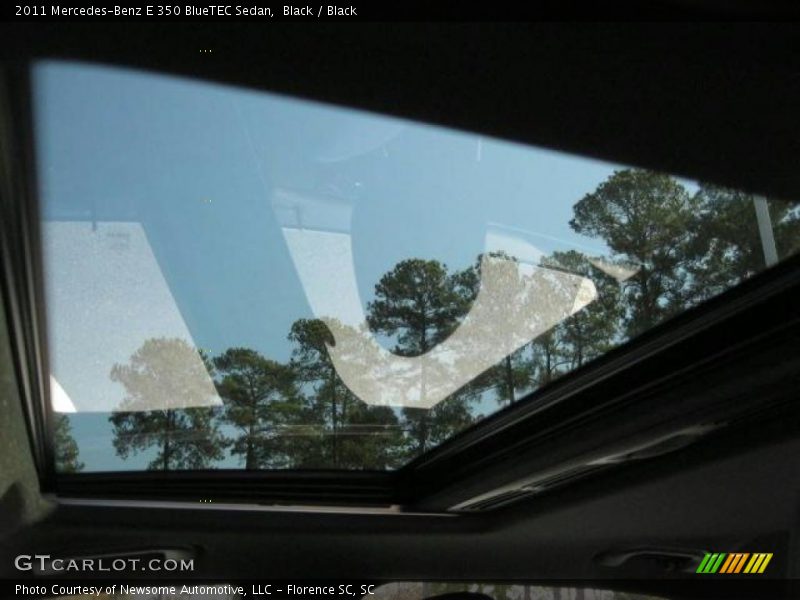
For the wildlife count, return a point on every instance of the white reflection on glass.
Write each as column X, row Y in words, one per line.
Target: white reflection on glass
column 109, row 293
column 59, row 398
column 516, row 302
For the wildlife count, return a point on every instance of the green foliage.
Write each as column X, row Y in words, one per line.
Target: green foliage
column 585, row 335
column 648, row 219
column 184, row 436
column 351, row 434
column 669, row 250
column 419, row 304
column 513, row 374
column 262, row 405
column 315, row 372
column 66, row 449
column 726, row 247
column 370, row 437
column 688, row 247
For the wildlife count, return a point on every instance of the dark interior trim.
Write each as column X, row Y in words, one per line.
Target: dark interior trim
column 21, row 279
column 635, row 372
column 703, row 334
column 334, row 488
column 712, row 100
column 647, row 395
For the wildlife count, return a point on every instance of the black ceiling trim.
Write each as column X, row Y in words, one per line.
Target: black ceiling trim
column 583, row 50
column 715, row 101
column 365, row 488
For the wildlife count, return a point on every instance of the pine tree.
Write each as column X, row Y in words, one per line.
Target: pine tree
column 66, row 449
column 418, row 304
column 185, row 435
column 262, row 406
column 358, row 436
column 647, row 219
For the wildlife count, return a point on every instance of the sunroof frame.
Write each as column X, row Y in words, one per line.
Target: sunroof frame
column 658, row 355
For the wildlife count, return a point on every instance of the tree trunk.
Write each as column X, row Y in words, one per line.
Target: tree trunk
column 548, row 364
column 423, row 425
column 167, row 439
column 333, row 419
column 510, row 379
column 343, row 421
column 250, row 459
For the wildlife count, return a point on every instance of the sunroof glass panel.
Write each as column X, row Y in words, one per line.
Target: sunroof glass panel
column 240, row 280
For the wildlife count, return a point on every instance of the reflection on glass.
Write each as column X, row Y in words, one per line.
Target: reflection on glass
column 515, row 303
column 241, row 280
column 108, row 294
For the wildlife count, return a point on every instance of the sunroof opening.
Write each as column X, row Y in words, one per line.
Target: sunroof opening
column 241, row 280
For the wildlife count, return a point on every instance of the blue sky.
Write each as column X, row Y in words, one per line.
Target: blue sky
column 196, row 166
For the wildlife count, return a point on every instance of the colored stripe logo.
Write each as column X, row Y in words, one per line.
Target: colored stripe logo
column 735, row 562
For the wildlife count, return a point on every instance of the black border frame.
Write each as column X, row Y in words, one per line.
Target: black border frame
column 21, row 279
column 484, row 447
